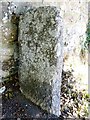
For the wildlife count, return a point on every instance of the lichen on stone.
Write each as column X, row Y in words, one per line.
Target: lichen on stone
column 39, row 36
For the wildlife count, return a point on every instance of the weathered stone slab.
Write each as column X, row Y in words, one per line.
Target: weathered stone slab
column 40, row 50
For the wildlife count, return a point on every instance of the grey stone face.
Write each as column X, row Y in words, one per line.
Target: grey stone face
column 40, row 50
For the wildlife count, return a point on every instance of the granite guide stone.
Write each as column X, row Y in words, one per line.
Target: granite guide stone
column 40, row 56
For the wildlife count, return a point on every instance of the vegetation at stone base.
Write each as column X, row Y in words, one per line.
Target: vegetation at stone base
column 73, row 101
column 87, row 42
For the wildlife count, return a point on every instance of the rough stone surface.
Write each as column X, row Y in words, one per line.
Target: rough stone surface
column 40, row 67
column 75, row 18
column 8, row 46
